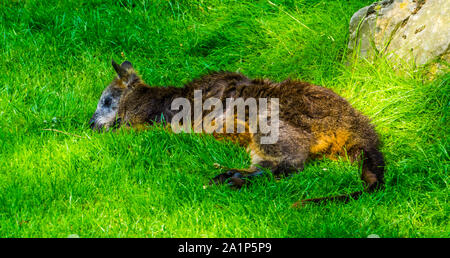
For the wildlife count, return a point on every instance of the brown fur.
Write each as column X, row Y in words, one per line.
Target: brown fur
column 314, row 122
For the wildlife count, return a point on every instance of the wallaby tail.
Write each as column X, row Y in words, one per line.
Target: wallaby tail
column 372, row 175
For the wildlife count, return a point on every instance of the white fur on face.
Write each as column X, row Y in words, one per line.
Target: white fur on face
column 106, row 113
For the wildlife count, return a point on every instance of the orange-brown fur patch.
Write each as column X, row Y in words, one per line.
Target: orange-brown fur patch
column 243, row 139
column 332, row 143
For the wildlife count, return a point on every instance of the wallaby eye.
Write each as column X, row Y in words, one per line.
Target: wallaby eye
column 107, row 102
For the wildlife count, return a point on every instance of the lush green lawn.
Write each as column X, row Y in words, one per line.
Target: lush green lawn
column 55, row 62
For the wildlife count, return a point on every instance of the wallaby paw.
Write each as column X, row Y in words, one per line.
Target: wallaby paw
column 231, row 177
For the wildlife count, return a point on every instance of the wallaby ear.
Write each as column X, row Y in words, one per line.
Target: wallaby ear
column 121, row 72
column 125, row 71
column 127, row 66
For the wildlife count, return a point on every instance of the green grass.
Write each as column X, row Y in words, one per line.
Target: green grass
column 55, row 62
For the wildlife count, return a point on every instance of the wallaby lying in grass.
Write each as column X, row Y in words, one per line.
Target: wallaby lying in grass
column 314, row 122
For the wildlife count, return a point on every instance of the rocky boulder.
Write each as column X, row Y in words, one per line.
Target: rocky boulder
column 415, row 31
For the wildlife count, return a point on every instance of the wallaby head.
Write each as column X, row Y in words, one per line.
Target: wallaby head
column 106, row 114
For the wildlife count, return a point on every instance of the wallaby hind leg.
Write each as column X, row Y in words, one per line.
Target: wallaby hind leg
column 284, row 157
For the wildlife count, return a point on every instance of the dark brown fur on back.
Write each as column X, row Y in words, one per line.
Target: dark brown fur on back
column 314, row 122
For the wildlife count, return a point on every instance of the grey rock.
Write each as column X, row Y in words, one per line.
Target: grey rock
column 410, row 31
